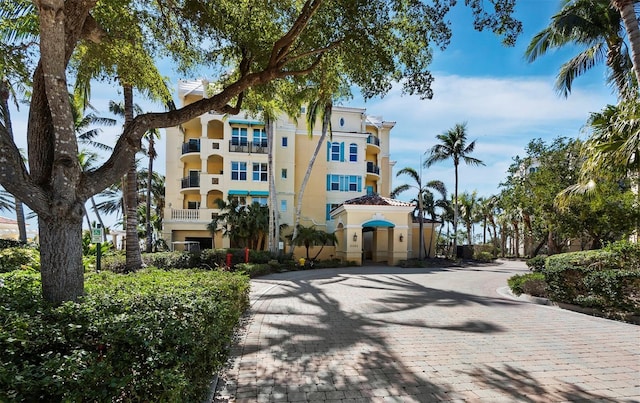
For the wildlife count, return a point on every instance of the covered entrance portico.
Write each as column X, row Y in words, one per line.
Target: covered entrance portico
column 373, row 228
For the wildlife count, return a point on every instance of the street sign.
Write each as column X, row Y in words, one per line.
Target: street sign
column 96, row 235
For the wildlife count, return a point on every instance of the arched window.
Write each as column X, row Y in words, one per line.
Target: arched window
column 353, row 152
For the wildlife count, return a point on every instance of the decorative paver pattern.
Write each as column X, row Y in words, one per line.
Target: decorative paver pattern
column 387, row 334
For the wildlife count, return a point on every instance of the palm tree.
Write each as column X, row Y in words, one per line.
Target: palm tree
column 310, row 236
column 630, row 21
column 593, row 25
column 468, row 212
column 151, row 135
column 423, row 193
column 453, row 145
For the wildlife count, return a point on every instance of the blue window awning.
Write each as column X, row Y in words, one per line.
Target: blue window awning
column 378, row 224
column 245, row 122
column 238, row 193
column 259, row 193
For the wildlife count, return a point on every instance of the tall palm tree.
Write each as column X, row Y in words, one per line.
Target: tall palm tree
column 423, row 192
column 453, row 145
column 595, row 26
column 626, row 8
column 151, row 136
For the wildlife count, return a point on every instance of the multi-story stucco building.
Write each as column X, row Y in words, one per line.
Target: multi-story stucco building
column 216, row 156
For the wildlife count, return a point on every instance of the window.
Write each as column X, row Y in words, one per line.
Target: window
column 259, row 171
column 341, row 122
column 353, row 152
column 335, row 151
column 533, row 170
column 259, row 138
column 283, row 173
column 334, row 182
column 239, row 136
column 261, row 200
column 285, row 141
column 238, row 171
column 353, row 183
column 193, row 205
column 283, row 205
column 344, row 183
column 369, row 190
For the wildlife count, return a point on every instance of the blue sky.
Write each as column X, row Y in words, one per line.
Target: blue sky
column 505, row 101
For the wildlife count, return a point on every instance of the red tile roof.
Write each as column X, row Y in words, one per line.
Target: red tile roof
column 377, row 200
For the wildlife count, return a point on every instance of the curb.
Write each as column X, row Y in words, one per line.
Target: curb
column 506, row 292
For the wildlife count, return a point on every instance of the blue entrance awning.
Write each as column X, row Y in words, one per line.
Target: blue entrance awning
column 245, row 122
column 378, row 224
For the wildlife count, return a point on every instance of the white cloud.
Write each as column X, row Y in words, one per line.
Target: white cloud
column 502, row 115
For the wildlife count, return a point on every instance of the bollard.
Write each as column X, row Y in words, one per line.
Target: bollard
column 246, row 255
column 229, row 255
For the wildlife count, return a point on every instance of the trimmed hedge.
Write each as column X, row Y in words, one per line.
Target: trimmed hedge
column 530, row 283
column 607, row 279
column 149, row 336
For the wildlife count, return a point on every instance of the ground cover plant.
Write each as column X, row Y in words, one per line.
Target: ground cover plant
column 153, row 335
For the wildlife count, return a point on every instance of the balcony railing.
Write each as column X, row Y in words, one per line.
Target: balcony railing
column 190, row 182
column 185, row 215
column 373, row 140
column 373, row 168
column 236, row 146
column 191, row 147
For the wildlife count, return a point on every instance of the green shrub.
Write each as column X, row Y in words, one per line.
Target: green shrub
column 20, row 258
column 172, row 260
column 536, row 264
column 254, row 269
column 483, row 256
column 529, row 283
column 148, row 336
column 599, row 279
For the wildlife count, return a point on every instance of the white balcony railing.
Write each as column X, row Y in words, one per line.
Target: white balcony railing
column 193, row 215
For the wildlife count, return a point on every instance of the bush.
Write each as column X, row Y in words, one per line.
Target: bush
column 172, row 260
column 536, row 264
column 254, row 269
column 147, row 336
column 483, row 256
column 530, row 283
column 19, row 258
column 603, row 279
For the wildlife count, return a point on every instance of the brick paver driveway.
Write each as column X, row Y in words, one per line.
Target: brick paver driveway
column 386, row 334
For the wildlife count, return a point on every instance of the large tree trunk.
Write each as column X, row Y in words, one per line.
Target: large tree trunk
column 133, row 256
column 61, row 258
column 22, row 225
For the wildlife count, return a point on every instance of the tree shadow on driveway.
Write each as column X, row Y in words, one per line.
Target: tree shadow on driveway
column 320, row 340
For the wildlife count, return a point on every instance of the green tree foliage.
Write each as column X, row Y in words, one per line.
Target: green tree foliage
column 246, row 225
column 453, row 145
column 243, row 45
column 530, row 196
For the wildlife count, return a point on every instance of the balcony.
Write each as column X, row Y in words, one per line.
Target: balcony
column 191, row 182
column 373, row 140
column 236, row 146
column 373, row 171
column 193, row 215
column 193, row 146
